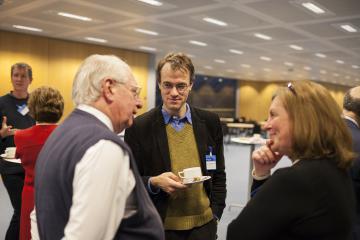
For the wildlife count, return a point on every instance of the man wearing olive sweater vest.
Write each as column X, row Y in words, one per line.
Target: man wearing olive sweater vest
column 175, row 136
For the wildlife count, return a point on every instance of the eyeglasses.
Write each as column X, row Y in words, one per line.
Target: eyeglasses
column 180, row 87
column 135, row 90
column 291, row 88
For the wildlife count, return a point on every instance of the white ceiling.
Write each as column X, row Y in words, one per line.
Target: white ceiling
column 179, row 21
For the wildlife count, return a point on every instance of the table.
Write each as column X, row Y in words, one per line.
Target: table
column 240, row 125
column 226, row 120
column 245, row 141
column 237, row 128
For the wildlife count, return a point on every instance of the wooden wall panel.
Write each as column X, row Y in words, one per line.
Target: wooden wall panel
column 55, row 62
column 255, row 97
column 23, row 48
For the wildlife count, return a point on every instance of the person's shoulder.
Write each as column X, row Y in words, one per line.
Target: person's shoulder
column 204, row 114
column 148, row 116
column 23, row 135
column 4, row 98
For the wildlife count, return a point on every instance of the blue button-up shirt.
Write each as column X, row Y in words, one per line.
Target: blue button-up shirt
column 176, row 122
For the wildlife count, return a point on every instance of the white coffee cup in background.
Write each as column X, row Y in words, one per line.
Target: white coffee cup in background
column 10, row 152
column 190, row 174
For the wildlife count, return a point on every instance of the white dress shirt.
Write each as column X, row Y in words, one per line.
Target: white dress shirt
column 103, row 187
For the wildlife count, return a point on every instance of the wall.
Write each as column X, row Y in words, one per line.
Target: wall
column 254, row 97
column 54, row 62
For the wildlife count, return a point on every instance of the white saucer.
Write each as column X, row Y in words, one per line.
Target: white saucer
column 202, row 179
column 14, row 160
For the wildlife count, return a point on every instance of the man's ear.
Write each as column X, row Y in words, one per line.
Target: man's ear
column 190, row 86
column 107, row 90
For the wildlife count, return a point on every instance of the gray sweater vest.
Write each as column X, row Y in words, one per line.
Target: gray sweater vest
column 54, row 177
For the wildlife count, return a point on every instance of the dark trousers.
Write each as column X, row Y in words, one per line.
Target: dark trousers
column 205, row 232
column 14, row 184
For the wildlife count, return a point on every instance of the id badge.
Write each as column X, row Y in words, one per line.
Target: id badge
column 23, row 109
column 210, row 162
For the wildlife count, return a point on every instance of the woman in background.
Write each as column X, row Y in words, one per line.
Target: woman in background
column 46, row 106
column 312, row 199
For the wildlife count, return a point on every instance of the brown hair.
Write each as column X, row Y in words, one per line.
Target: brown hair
column 317, row 127
column 46, row 105
column 21, row 66
column 178, row 61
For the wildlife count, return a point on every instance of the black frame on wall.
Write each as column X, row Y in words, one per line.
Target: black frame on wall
column 215, row 94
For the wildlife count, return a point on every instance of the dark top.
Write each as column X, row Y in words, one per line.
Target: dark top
column 355, row 170
column 55, row 169
column 9, row 108
column 313, row 199
column 148, row 140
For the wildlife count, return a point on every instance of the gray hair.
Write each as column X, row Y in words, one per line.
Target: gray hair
column 91, row 73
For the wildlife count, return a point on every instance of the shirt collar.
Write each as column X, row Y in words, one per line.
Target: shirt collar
column 168, row 117
column 98, row 114
column 351, row 120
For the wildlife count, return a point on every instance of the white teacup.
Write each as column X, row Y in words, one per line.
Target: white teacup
column 190, row 174
column 10, row 152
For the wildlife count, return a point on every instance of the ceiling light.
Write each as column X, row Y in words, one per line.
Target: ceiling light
column 245, row 65
column 215, row 21
column 267, row 69
column 347, row 77
column 77, row 17
column 265, row 58
column 349, row 28
column 312, row 7
column 151, row 49
column 230, row 70
column 335, row 74
column 307, row 68
column 262, row 36
column 322, row 71
column 208, row 67
column 355, row 66
column 236, row 51
column 28, row 28
column 100, row 40
column 198, row 43
column 219, row 60
column 152, row 2
column 340, row 61
column 290, row 64
column 148, row 32
column 320, row 55
column 296, row 47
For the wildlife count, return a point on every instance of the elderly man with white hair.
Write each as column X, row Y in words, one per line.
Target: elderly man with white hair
column 87, row 185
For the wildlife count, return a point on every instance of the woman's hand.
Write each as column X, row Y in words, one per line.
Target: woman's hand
column 265, row 159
